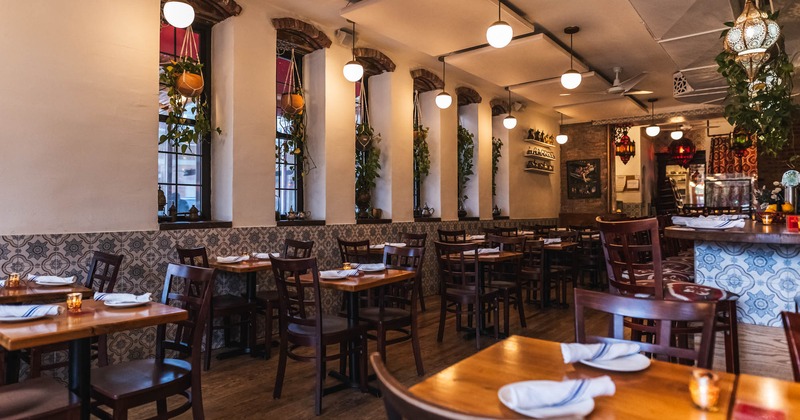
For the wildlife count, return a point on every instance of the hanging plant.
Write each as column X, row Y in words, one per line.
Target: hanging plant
column 183, row 80
column 764, row 105
column 422, row 156
column 466, row 153
column 368, row 156
column 497, row 144
column 293, row 123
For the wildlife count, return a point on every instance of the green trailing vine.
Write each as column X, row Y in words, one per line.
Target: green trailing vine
column 764, row 106
column 497, row 144
column 296, row 145
column 179, row 134
column 466, row 153
column 368, row 159
column 422, row 156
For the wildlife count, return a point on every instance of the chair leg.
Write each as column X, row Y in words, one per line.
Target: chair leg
column 361, row 353
column 506, row 311
column 476, row 310
column 343, row 358
column 282, row 355
column 36, row 362
column 421, row 299
column 380, row 334
column 732, row 339
column 442, row 315
column 320, row 379
column 161, row 408
column 497, row 318
column 102, row 350
column 522, row 322
column 209, row 343
column 226, row 332
column 415, row 346
column 268, row 331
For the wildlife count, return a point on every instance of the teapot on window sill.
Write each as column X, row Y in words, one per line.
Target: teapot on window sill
column 427, row 211
column 291, row 215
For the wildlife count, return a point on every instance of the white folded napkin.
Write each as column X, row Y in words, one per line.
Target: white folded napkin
column 477, row 237
column 575, row 352
column 233, row 259
column 29, row 311
column 395, row 244
column 378, row 246
column 531, row 395
column 52, row 279
column 2, row 283
column 482, row 251
column 548, row 241
column 338, row 273
column 372, row 267
column 266, row 255
column 122, row 297
column 709, row 223
column 527, row 232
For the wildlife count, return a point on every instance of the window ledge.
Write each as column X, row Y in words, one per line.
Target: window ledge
column 200, row 224
column 427, row 219
column 301, row 223
column 373, row 221
column 500, row 217
column 469, row 218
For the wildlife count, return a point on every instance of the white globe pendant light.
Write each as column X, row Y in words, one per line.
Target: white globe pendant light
column 178, row 14
column 561, row 138
column 500, row 33
column 443, row 99
column 676, row 135
column 353, row 71
column 571, row 78
column 509, row 121
column 652, row 130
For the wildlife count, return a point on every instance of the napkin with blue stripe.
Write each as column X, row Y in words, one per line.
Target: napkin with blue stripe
column 29, row 311
column 531, row 395
column 122, row 297
column 575, row 352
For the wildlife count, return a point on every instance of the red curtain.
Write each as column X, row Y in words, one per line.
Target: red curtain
column 724, row 161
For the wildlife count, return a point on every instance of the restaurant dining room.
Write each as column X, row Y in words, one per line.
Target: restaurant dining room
column 365, row 209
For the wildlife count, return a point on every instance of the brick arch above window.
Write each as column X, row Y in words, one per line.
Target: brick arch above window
column 211, row 12
column 374, row 61
column 426, row 81
column 499, row 107
column 302, row 35
column 467, row 95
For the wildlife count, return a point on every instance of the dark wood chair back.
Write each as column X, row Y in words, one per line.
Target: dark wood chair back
column 452, row 236
column 565, row 235
column 506, row 231
column 189, row 288
column 663, row 312
column 416, row 240
column 402, row 295
column 631, row 247
column 402, row 404
column 456, row 270
column 791, row 325
column 196, row 257
column 354, row 251
column 582, row 228
column 533, row 255
column 297, row 249
column 507, row 243
column 300, row 301
column 103, row 271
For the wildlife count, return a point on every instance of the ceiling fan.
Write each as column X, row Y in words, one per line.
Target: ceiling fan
column 623, row 88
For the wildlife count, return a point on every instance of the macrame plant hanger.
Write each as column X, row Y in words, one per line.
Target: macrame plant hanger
column 189, row 52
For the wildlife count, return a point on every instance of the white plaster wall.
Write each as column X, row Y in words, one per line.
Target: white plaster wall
column 501, row 199
column 532, row 194
column 448, row 138
column 223, row 86
column 78, row 106
column 431, row 118
column 483, row 159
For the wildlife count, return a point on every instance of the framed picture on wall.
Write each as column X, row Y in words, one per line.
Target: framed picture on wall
column 583, row 179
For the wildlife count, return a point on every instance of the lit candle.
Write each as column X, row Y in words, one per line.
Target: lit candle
column 766, row 219
column 704, row 389
column 13, row 280
column 74, row 302
column 346, row 265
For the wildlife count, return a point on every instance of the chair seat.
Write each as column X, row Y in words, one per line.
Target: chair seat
column 331, row 325
column 267, row 296
column 502, row 284
column 530, row 271
column 38, row 398
column 224, row 302
column 373, row 315
column 465, row 294
column 124, row 380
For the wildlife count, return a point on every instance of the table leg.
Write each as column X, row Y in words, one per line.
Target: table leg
column 79, row 373
column 12, row 367
column 353, row 379
column 246, row 346
column 546, row 279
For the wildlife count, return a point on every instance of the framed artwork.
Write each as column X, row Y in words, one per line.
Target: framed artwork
column 583, row 179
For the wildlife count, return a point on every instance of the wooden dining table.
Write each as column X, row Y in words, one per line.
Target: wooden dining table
column 660, row 391
column 95, row 319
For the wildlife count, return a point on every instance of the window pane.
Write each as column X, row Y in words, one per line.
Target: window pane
column 166, row 168
column 189, row 169
column 188, row 197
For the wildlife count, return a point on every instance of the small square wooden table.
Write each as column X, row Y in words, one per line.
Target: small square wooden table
column 97, row 319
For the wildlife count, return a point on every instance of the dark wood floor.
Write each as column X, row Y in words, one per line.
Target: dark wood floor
column 242, row 387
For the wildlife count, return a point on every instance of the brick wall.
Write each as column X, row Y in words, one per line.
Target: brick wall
column 586, row 141
column 772, row 168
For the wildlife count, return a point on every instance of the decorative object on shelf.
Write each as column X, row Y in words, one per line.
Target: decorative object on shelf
column 194, row 214
column 291, row 215
column 173, row 212
column 750, row 36
column 497, row 144
column 509, row 121
column 495, row 211
column 624, row 147
column 162, row 199
column 466, row 153
column 376, row 213
column 443, row 99
column 561, row 138
column 367, row 158
column 790, row 181
column 682, row 151
column 740, row 142
column 353, row 70
column 428, row 211
column 583, row 179
column 500, row 33
column 571, row 78
column 759, row 98
column 422, row 160
column 178, row 13
column 652, row 130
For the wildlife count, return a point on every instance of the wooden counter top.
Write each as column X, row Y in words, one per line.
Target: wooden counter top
column 752, row 232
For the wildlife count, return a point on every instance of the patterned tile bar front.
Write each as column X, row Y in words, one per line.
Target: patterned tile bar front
column 765, row 276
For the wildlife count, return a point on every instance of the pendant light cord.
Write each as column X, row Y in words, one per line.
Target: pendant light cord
column 444, row 75
column 499, row 8
column 509, row 101
column 570, row 54
column 353, row 50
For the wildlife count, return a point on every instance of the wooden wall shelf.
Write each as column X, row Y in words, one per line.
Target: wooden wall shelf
column 542, row 171
column 539, row 143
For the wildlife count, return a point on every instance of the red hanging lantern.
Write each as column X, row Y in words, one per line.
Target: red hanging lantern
column 625, row 148
column 682, row 151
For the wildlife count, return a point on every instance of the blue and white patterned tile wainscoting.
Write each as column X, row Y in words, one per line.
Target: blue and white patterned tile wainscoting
column 147, row 254
column 767, row 279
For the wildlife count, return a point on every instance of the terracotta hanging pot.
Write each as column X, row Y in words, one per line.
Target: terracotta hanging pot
column 189, row 84
column 292, row 103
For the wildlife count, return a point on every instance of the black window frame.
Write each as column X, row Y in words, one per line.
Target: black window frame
column 299, row 191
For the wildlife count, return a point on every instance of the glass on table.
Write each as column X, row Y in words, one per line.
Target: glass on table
column 13, row 280
column 74, row 302
column 704, row 388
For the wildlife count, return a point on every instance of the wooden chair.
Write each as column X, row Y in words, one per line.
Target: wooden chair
column 401, row 404
column 39, row 398
column 397, row 309
column 303, row 324
column 138, row 382
column 589, row 257
column 222, row 306
column 101, row 277
column 460, row 286
column 564, row 266
column 505, row 277
column 506, row 231
column 634, row 265
column 665, row 314
column 452, row 236
column 791, row 326
column 532, row 278
column 268, row 300
column 354, row 251
column 416, row 240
